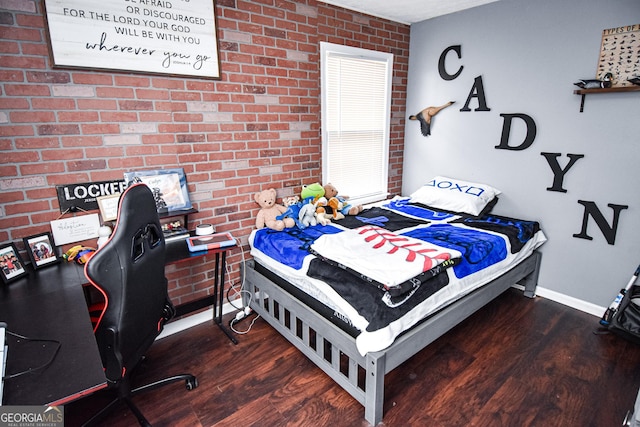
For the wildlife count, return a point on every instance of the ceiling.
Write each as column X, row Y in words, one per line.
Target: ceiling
column 407, row 11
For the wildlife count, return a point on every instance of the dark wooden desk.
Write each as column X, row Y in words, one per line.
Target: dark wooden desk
column 50, row 304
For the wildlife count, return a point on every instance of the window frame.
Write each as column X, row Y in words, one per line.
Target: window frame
column 328, row 50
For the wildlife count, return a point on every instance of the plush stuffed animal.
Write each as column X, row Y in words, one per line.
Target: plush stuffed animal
column 290, row 201
column 322, row 216
column 267, row 216
column 293, row 205
column 315, row 191
column 335, row 208
column 307, row 216
column 302, row 213
column 340, row 203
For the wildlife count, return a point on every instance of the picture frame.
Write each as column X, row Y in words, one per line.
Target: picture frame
column 108, row 206
column 11, row 264
column 41, row 250
column 169, row 188
column 619, row 54
column 116, row 36
column 75, row 229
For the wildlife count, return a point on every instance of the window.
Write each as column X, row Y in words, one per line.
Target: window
column 356, row 109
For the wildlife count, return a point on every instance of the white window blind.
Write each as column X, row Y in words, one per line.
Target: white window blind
column 356, row 107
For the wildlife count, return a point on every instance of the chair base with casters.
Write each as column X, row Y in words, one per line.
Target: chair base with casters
column 126, row 393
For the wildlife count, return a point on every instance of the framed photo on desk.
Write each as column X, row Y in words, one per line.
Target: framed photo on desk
column 41, row 250
column 11, row 265
column 108, row 206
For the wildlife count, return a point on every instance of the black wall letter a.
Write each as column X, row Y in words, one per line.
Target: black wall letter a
column 590, row 208
column 477, row 91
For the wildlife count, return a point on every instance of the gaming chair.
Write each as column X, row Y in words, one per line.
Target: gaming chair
column 129, row 272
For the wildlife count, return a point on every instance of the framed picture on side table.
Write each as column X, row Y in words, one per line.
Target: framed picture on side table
column 11, row 265
column 41, row 250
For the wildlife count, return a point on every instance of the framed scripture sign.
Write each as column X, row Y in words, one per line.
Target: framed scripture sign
column 158, row 37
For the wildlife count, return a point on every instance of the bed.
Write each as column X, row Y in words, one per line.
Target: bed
column 364, row 294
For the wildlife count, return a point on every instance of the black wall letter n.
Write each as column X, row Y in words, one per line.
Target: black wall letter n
column 590, row 208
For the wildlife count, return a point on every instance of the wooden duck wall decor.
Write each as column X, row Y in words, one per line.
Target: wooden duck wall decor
column 425, row 116
column 595, row 83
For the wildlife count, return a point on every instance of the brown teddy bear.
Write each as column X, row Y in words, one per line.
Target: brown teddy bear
column 270, row 210
column 340, row 202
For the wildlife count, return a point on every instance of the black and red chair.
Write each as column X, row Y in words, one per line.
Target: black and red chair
column 129, row 272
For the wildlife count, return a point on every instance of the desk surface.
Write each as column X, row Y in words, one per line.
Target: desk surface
column 49, row 304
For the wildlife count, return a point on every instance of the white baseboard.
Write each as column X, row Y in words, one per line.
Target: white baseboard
column 205, row 316
column 194, row 320
column 572, row 302
column 584, row 306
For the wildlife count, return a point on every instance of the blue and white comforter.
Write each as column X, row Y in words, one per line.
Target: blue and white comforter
column 390, row 266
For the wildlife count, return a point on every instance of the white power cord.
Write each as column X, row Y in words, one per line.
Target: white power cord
column 241, row 315
column 244, row 311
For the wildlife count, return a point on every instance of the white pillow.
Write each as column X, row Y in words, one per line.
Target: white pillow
column 455, row 195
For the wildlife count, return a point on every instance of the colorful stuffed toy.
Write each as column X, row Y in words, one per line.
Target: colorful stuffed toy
column 267, row 216
column 302, row 213
column 340, row 203
column 307, row 216
column 314, row 191
column 293, row 205
column 322, row 216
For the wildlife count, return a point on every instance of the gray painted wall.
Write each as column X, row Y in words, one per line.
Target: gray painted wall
column 529, row 54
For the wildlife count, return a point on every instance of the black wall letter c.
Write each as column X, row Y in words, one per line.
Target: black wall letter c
column 443, row 73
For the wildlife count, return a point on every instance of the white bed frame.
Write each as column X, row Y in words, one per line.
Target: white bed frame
column 334, row 350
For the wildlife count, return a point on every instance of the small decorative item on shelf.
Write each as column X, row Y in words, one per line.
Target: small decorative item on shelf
column 634, row 80
column 595, row 83
column 174, row 230
column 619, row 64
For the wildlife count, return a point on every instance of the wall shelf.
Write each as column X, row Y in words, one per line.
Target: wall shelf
column 584, row 92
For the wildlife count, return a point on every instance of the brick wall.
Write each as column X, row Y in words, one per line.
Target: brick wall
column 256, row 127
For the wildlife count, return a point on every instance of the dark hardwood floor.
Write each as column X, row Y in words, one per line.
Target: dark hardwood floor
column 516, row 362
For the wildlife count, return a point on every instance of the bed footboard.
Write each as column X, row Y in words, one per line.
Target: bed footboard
column 334, row 351
column 329, row 347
